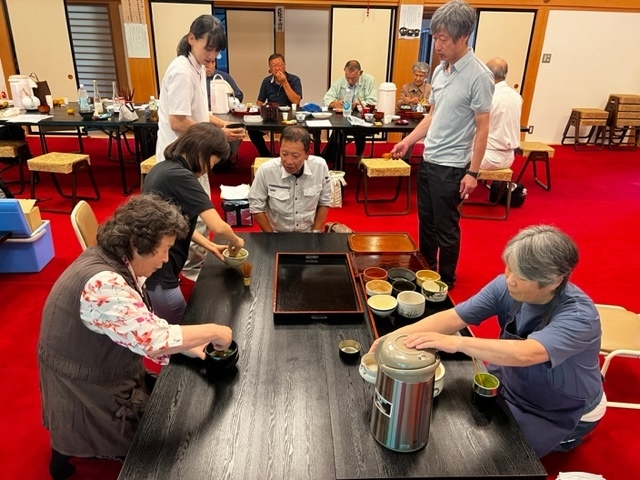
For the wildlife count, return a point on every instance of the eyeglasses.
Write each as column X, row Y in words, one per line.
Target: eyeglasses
column 276, row 65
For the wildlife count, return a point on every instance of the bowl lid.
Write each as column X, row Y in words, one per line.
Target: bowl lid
column 393, row 353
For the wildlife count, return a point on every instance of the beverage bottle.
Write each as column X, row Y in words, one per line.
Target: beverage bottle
column 97, row 99
column 347, row 104
column 83, row 99
column 114, row 92
column 153, row 109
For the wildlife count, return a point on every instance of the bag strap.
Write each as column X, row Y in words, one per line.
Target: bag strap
column 35, row 76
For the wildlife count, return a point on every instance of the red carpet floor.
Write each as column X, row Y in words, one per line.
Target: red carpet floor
column 595, row 198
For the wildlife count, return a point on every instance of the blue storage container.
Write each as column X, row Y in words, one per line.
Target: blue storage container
column 21, row 255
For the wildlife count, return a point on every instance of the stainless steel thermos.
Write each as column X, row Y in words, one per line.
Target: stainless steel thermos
column 401, row 411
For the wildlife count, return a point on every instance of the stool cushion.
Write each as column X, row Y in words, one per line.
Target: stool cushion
column 11, row 148
column 625, row 98
column 382, row 167
column 256, row 164
column 56, row 162
column 147, row 165
column 528, row 147
column 591, row 113
column 502, row 174
column 620, row 329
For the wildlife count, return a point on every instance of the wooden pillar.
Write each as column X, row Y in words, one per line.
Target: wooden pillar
column 142, row 73
column 533, row 62
column 405, row 55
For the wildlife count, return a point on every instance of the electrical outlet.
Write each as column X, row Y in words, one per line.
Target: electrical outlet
column 530, row 131
column 546, row 58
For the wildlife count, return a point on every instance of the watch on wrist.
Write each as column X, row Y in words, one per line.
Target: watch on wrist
column 473, row 174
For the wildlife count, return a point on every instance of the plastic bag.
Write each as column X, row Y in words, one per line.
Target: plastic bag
column 337, row 182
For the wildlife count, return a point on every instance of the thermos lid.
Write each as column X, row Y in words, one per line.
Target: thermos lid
column 396, row 355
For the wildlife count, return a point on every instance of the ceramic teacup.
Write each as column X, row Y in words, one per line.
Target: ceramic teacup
column 425, row 275
column 435, row 290
column 368, row 117
column 411, row 304
column 402, row 285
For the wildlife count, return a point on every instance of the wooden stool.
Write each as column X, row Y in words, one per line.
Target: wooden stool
column 256, row 164
column 586, row 117
column 624, row 121
column 381, row 167
column 14, row 153
column 503, row 175
column 536, row 152
column 62, row 163
column 145, row 167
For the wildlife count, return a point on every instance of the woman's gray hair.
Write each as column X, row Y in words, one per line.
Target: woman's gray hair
column 421, row 67
column 141, row 223
column 541, row 254
column 455, row 17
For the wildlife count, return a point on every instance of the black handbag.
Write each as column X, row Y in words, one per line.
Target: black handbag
column 41, row 90
column 518, row 193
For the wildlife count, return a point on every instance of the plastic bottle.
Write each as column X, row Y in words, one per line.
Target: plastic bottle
column 153, row 109
column 97, row 99
column 83, row 99
column 347, row 103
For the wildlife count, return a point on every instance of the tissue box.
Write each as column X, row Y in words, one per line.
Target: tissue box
column 236, row 213
column 27, row 254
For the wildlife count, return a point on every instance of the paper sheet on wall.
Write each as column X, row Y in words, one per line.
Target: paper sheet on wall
column 137, row 40
column 410, row 24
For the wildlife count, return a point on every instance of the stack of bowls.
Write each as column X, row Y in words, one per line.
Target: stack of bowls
column 426, row 275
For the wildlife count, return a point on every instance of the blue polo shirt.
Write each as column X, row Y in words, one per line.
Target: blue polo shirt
column 272, row 92
column 457, row 96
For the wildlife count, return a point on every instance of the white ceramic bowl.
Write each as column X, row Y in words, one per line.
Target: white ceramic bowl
column 236, row 261
column 395, row 117
column 435, row 290
column 321, row 115
column 438, row 384
column 252, row 119
column 241, row 108
column 378, row 287
column 411, row 304
column 369, row 368
column 382, row 305
column 284, row 108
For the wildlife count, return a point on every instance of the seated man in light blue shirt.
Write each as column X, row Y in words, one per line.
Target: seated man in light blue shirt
column 291, row 193
column 359, row 88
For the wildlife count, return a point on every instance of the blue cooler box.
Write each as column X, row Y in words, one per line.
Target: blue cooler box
column 31, row 254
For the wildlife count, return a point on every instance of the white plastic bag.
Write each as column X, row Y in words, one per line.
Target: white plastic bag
column 220, row 91
column 337, row 182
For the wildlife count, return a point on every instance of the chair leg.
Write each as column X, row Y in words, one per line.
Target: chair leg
column 533, row 158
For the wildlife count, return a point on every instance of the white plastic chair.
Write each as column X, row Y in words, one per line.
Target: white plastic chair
column 620, row 337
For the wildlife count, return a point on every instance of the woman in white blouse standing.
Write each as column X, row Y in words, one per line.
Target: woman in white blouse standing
column 97, row 325
column 183, row 101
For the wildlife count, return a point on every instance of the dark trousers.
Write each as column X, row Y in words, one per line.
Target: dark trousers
column 257, row 138
column 439, row 218
column 331, row 152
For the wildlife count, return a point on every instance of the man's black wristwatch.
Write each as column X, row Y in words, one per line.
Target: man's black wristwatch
column 473, row 174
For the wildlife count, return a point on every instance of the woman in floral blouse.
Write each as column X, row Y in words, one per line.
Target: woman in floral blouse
column 97, row 325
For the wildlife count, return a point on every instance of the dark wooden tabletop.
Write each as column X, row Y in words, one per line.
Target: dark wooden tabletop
column 292, row 409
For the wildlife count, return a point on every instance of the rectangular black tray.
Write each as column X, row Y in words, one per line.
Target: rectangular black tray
column 316, row 287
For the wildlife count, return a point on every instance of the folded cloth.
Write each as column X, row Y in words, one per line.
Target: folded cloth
column 358, row 121
column 311, row 107
column 578, row 476
column 239, row 192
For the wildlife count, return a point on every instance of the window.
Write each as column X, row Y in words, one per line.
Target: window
column 97, row 45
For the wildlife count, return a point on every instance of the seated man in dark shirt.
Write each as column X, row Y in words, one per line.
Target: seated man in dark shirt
column 280, row 87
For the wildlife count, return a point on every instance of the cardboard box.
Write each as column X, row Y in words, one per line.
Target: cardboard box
column 31, row 213
column 31, row 254
column 237, row 213
column 20, row 217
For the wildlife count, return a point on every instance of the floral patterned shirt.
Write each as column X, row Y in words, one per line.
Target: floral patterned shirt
column 109, row 306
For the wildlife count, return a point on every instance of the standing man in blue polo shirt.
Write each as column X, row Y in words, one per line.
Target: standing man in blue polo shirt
column 455, row 136
column 280, row 87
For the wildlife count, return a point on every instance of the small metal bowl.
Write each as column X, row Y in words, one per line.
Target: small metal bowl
column 486, row 385
column 349, row 350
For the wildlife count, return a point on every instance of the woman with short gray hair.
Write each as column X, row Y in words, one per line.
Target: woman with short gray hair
column 416, row 92
column 547, row 355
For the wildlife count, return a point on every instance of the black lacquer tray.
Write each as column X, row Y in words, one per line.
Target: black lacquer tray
column 316, row 287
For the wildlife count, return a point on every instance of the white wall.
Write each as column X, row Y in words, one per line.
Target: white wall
column 42, row 43
column 251, row 40
column 171, row 22
column 593, row 54
column 307, row 35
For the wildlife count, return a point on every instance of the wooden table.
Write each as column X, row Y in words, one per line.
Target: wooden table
column 293, row 410
column 111, row 126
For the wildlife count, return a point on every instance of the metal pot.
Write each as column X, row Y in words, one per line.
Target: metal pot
column 401, row 410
